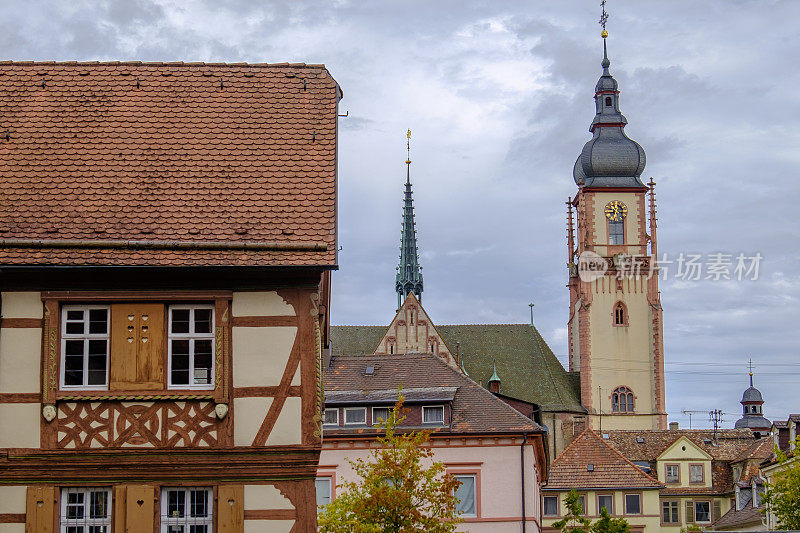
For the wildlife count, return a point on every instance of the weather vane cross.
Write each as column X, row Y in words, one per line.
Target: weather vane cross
column 603, row 19
column 408, row 147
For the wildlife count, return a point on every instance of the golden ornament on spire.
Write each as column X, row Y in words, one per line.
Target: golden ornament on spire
column 603, row 20
column 408, row 146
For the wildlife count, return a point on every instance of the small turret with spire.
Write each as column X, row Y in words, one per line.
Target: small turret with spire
column 409, row 272
column 753, row 410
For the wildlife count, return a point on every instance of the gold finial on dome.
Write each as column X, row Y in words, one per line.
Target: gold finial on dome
column 603, row 20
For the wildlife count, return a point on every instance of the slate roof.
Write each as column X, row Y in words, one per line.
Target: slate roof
column 474, row 409
column 733, row 518
column 527, row 367
column 609, row 468
column 167, row 164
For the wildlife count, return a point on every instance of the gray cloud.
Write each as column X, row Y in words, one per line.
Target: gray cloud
column 499, row 98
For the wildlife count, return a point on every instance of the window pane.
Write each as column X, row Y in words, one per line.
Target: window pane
column 75, row 328
column 433, row 414
column 696, row 473
column 176, row 503
column 551, row 506
column 175, row 529
column 632, row 504
column 202, row 320
column 198, row 529
column 379, row 413
column 202, row 361
column 355, row 416
column 702, row 511
column 331, row 416
column 180, row 361
column 199, row 503
column 98, row 321
column 97, row 504
column 323, row 486
column 606, row 502
column 465, row 494
column 180, row 321
column 73, row 362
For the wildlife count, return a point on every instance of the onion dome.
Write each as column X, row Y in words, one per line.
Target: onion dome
column 752, row 394
column 610, row 158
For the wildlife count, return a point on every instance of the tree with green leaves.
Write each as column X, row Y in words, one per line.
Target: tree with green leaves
column 782, row 497
column 400, row 490
column 606, row 524
column 574, row 521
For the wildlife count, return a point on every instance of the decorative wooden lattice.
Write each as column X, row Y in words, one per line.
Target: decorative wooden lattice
column 171, row 424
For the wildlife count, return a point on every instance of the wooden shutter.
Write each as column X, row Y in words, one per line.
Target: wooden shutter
column 230, row 508
column 139, row 508
column 39, row 509
column 689, row 512
column 137, row 346
column 717, row 510
column 119, row 508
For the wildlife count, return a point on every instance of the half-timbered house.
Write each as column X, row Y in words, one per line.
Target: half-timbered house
column 167, row 235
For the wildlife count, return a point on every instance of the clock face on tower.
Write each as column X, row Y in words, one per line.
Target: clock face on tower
column 616, row 211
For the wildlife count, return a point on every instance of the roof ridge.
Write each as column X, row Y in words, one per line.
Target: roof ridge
column 157, row 64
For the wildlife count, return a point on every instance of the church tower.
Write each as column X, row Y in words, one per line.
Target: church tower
column 615, row 320
column 409, row 272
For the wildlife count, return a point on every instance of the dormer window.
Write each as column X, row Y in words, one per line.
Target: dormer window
column 433, row 414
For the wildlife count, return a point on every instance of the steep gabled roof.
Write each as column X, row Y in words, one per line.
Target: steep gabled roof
column 729, row 444
column 589, row 462
column 167, row 164
column 475, row 410
column 530, row 370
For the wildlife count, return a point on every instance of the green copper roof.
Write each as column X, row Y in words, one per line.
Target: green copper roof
column 494, row 377
column 409, row 273
column 531, row 372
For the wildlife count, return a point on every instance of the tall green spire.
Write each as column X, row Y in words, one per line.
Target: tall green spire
column 409, row 272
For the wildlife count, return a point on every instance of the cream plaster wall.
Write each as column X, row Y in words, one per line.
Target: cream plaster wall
column 633, row 224
column 22, row 305
column 273, row 526
column 12, row 499
column 288, row 429
column 12, row 528
column 260, row 303
column 725, row 506
column 650, row 518
column 23, row 419
column 262, row 497
column 676, row 454
column 260, row 354
column 20, row 356
column 248, row 415
column 500, row 480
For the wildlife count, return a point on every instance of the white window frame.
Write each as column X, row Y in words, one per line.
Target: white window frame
column 677, row 478
column 425, row 408
column 86, row 522
column 329, row 480
column 191, row 336
column 327, row 410
column 165, row 521
column 352, row 409
column 558, row 505
column 693, row 467
column 474, row 478
column 86, row 337
column 710, row 511
column 375, row 418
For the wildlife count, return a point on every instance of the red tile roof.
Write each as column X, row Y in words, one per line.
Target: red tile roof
column 162, row 152
column 475, row 409
column 609, row 468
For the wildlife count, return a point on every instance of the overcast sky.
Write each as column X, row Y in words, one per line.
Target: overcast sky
column 498, row 95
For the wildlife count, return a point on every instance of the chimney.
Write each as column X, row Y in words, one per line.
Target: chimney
column 673, row 426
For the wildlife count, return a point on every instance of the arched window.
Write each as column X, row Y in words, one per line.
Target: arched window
column 622, row 400
column 608, row 101
column 620, row 314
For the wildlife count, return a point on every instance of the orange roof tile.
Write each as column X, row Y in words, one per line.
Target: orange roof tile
column 167, row 152
column 609, row 468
